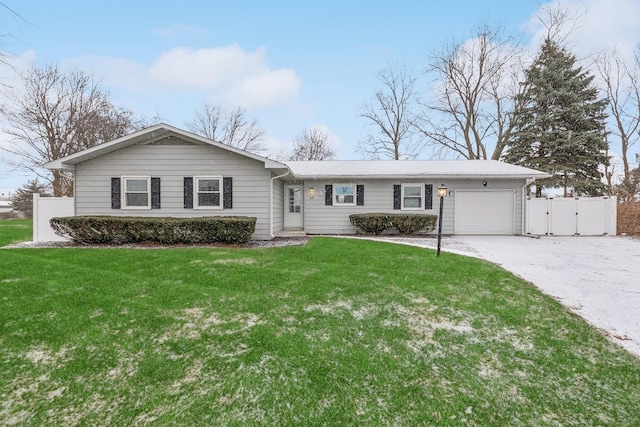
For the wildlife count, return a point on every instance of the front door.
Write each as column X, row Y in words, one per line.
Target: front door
column 293, row 206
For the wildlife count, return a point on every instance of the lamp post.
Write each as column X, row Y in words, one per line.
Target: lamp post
column 442, row 193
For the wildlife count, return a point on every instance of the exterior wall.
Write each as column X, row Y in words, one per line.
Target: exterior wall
column 172, row 162
column 278, row 205
column 378, row 198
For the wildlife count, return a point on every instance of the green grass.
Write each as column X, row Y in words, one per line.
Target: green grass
column 15, row 230
column 336, row 332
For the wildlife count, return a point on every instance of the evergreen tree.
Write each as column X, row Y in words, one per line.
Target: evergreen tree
column 560, row 128
column 23, row 200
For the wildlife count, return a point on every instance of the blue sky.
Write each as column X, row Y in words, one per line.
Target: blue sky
column 291, row 64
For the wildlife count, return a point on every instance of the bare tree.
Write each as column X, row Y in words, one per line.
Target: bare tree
column 474, row 98
column 231, row 127
column 3, row 59
column 312, row 144
column 390, row 115
column 55, row 114
column 559, row 21
column 621, row 82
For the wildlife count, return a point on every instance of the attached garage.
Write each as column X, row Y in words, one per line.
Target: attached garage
column 484, row 212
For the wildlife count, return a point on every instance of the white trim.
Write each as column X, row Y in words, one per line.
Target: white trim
column 273, row 178
column 123, row 191
column 196, row 191
column 334, row 196
column 421, row 197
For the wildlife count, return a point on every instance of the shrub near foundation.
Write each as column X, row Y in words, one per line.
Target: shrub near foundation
column 377, row 223
column 371, row 223
column 166, row 230
column 413, row 223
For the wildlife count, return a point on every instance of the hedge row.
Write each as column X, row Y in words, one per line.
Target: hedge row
column 377, row 223
column 166, row 230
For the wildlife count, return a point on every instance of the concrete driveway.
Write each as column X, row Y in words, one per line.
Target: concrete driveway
column 598, row 278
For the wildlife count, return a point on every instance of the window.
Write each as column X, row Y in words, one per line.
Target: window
column 295, row 200
column 344, row 194
column 208, row 194
column 136, row 192
column 412, row 196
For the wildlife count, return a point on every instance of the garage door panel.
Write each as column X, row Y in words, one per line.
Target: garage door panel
column 484, row 212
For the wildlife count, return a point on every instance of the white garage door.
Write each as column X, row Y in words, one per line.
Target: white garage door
column 484, row 212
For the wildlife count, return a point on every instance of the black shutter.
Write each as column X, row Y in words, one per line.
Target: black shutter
column 397, row 195
column 328, row 195
column 360, row 195
column 155, row 193
column 428, row 196
column 188, row 192
column 227, row 192
column 115, row 193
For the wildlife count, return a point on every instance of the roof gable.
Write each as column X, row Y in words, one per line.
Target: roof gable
column 160, row 134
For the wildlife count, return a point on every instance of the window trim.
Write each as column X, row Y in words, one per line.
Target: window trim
column 420, row 197
column 124, row 192
column 196, row 191
column 334, row 198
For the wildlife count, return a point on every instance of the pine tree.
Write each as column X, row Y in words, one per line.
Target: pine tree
column 561, row 127
column 23, row 200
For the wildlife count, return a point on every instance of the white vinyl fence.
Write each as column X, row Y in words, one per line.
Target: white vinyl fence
column 583, row 216
column 45, row 208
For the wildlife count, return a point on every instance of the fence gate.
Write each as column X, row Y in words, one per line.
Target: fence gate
column 585, row 216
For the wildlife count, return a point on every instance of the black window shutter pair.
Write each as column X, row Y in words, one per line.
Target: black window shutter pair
column 116, row 193
column 428, row 196
column 328, row 195
column 227, row 192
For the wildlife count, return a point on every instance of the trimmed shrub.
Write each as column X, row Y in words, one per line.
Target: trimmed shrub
column 120, row 230
column 413, row 223
column 378, row 223
column 373, row 223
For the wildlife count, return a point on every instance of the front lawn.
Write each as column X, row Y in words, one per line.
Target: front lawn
column 15, row 230
column 336, row 332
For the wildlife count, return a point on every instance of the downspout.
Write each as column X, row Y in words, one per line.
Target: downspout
column 527, row 183
column 271, row 202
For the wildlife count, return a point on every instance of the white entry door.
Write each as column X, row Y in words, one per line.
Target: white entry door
column 293, row 212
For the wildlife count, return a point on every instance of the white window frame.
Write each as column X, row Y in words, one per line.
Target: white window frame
column 124, row 192
column 335, row 195
column 402, row 196
column 196, row 191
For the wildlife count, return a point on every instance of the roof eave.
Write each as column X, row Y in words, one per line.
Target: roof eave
column 422, row 176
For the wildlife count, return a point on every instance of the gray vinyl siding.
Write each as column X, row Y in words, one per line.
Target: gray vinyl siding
column 378, row 198
column 172, row 163
column 278, row 205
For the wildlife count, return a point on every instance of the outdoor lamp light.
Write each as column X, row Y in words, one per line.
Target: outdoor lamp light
column 442, row 193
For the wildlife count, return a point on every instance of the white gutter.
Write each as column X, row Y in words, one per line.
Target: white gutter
column 271, row 202
column 524, row 203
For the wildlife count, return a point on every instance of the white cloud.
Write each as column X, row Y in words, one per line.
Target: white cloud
column 601, row 24
column 12, row 66
column 228, row 75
